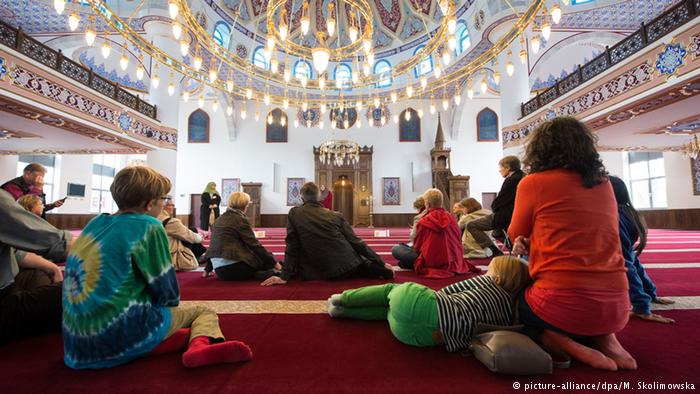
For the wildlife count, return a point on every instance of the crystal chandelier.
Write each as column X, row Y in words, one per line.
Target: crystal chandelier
column 339, row 152
column 692, row 148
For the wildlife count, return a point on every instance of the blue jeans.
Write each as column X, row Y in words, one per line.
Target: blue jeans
column 405, row 255
column 534, row 325
column 642, row 289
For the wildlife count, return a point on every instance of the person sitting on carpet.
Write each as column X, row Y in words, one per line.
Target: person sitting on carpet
column 633, row 228
column 32, row 203
column 320, row 244
column 437, row 250
column 565, row 217
column 472, row 211
column 419, row 316
column 235, row 253
column 30, row 290
column 399, row 250
column 120, row 293
column 457, row 210
column 185, row 244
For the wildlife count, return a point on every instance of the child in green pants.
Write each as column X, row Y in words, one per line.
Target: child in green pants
column 419, row 316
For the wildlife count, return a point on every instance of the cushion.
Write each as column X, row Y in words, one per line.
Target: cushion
column 510, row 352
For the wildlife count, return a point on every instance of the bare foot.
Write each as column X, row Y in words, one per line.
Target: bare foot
column 611, row 347
column 559, row 342
column 653, row 317
column 207, row 274
column 663, row 301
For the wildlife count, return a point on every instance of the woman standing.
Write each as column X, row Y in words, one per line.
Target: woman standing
column 566, row 218
column 326, row 198
column 209, row 210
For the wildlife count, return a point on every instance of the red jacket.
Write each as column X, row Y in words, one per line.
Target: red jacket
column 439, row 246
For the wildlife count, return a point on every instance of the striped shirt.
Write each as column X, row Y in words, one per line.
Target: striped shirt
column 462, row 305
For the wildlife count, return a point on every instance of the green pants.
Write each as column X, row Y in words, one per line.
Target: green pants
column 410, row 308
column 201, row 321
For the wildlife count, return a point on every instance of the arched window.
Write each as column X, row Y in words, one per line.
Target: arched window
column 383, row 69
column 302, row 68
column 487, row 125
column 342, row 73
column 222, row 34
column 409, row 126
column 463, row 41
column 426, row 65
column 198, row 127
column 276, row 131
column 259, row 58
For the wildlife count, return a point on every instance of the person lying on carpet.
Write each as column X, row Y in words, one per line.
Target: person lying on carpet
column 235, row 252
column 632, row 228
column 565, row 218
column 420, row 316
column 120, row 293
column 30, row 292
column 320, row 244
column 437, row 250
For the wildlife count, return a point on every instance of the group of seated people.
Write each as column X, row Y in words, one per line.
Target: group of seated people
column 119, row 296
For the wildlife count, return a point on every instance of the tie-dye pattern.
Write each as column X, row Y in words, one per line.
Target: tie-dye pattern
column 118, row 285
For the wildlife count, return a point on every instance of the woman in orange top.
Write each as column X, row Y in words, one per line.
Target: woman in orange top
column 566, row 218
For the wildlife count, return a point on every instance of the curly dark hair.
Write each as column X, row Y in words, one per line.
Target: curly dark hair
column 566, row 143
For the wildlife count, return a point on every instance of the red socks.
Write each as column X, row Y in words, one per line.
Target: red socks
column 201, row 352
column 174, row 343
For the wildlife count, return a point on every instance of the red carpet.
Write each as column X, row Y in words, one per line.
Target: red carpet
column 312, row 353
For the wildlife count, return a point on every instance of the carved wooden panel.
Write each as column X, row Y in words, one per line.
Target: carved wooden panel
column 253, row 211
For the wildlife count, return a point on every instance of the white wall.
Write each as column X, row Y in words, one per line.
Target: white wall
column 74, row 169
column 8, row 168
column 251, row 159
column 679, row 186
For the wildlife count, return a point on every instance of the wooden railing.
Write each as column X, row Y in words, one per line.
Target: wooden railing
column 26, row 45
column 663, row 24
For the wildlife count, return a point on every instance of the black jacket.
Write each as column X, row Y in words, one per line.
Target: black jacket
column 322, row 245
column 502, row 205
column 205, row 211
column 232, row 238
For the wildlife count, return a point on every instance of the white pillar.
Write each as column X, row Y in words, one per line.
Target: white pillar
column 8, row 167
column 515, row 89
column 165, row 160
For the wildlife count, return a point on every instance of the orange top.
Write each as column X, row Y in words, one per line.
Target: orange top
column 573, row 231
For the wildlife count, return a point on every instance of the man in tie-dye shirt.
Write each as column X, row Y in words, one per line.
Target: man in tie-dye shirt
column 120, row 292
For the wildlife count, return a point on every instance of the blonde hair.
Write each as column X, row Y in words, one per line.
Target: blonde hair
column 433, row 198
column 238, row 200
column 513, row 273
column 29, row 201
column 419, row 204
column 135, row 186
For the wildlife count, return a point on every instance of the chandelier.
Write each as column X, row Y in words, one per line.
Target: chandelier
column 692, row 149
column 339, row 152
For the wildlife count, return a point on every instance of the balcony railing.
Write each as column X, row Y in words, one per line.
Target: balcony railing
column 663, row 24
column 26, row 45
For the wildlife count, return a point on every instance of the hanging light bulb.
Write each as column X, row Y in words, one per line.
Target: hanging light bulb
column 423, row 81
column 304, row 106
column 321, row 125
column 382, row 120
column 173, row 8
column 367, row 45
column 396, row 119
column 353, row 33
column 248, row 93
column 445, row 104
column 556, row 13
column 212, row 74
column 200, row 101
column 535, row 44
column 444, row 6
column 452, row 42
column 266, row 98
column 274, row 65
column 483, row 85
column 244, row 113
column 452, row 24
column 177, row 30
column 215, row 105
column 296, row 122
column 407, row 115
column 73, row 21
column 355, row 76
column 287, row 74
column 346, row 124
column 155, row 81
column 59, row 6
column 285, row 103
column 358, row 124
column 510, row 68
column 358, row 105
column 546, row 30
column 184, row 47
column 420, row 112
column 284, row 28
column 270, row 43
column 370, row 58
column 186, row 96
column 106, row 49
column 437, row 71
column 470, row 92
column 458, row 99
column 90, row 35
column 283, row 121
column 432, row 108
column 171, row 89
column 409, row 91
column 139, row 72
column 257, row 115
column 123, row 61
column 446, row 58
column 269, row 119
column 330, row 22
column 376, row 102
column 322, row 82
column 365, row 69
column 496, row 77
column 303, row 80
column 305, row 21
column 197, row 62
column 229, row 85
column 229, row 110
column 523, row 56
column 394, row 96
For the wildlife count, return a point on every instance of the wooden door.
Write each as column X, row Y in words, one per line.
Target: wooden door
column 343, row 197
column 195, row 205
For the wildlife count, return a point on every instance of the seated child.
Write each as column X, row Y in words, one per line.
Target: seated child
column 632, row 228
column 120, row 292
column 419, row 316
column 32, row 203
